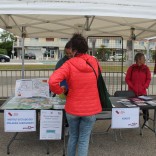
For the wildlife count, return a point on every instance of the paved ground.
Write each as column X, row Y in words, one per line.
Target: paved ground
column 132, row 143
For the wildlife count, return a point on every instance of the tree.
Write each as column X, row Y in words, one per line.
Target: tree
column 3, row 51
column 6, row 46
column 6, row 42
column 103, row 53
column 153, row 55
column 5, row 36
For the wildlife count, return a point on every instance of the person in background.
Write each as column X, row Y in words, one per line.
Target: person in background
column 68, row 55
column 138, row 78
column 82, row 101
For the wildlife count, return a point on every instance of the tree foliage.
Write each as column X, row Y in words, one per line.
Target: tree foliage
column 153, row 55
column 5, row 36
column 3, row 51
column 6, row 42
column 7, row 46
column 103, row 53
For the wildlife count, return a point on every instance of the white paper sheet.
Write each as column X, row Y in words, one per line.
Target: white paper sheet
column 32, row 87
column 19, row 120
column 51, row 125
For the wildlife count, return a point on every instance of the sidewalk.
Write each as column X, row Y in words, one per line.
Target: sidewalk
column 132, row 143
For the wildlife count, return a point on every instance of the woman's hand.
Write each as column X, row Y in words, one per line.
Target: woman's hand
column 63, row 95
column 64, row 89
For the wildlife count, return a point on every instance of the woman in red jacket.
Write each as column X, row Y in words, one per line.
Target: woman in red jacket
column 82, row 101
column 138, row 78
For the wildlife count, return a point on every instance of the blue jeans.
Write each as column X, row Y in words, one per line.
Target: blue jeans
column 79, row 134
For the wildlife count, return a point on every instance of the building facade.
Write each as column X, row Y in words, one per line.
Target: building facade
column 53, row 48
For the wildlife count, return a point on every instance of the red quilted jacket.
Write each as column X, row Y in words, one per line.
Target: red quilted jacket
column 82, row 98
column 138, row 79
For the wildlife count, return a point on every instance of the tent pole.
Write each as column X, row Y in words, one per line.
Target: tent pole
column 23, row 36
column 133, row 54
column 147, row 53
column 133, row 37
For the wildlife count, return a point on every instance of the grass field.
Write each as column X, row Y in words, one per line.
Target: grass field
column 35, row 67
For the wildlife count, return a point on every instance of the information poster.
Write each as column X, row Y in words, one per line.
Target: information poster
column 51, row 125
column 19, row 120
column 32, row 87
column 23, row 88
column 125, row 117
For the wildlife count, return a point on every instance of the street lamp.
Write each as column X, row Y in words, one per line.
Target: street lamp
column 130, row 47
column 13, row 50
column 133, row 37
column 93, row 41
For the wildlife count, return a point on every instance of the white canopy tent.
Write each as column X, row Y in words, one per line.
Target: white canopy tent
column 57, row 18
column 61, row 18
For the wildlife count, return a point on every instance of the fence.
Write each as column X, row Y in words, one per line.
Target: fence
column 114, row 80
column 8, row 79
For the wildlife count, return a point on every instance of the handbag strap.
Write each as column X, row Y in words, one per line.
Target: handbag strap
column 93, row 68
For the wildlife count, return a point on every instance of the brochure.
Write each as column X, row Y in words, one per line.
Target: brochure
column 128, row 104
column 152, row 103
column 145, row 97
column 138, row 101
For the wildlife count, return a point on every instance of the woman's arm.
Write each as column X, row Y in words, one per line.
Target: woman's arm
column 148, row 78
column 58, row 76
column 128, row 77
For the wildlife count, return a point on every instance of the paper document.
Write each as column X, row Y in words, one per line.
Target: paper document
column 51, row 125
column 32, row 87
column 145, row 97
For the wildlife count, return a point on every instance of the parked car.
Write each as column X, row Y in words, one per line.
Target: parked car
column 116, row 57
column 4, row 58
column 29, row 56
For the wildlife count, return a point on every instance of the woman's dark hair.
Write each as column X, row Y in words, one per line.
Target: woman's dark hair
column 68, row 45
column 138, row 56
column 79, row 43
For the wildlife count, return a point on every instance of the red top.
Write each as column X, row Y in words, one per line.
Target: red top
column 83, row 98
column 138, row 79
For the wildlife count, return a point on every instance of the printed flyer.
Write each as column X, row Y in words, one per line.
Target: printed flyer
column 32, row 88
column 51, row 124
column 19, row 120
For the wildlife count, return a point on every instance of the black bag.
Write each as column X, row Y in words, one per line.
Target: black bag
column 103, row 93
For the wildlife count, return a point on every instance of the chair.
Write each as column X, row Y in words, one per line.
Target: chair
column 125, row 93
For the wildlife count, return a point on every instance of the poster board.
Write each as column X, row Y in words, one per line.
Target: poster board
column 19, row 120
column 51, row 124
column 32, row 87
column 125, row 118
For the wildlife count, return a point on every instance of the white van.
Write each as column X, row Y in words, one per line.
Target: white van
column 117, row 57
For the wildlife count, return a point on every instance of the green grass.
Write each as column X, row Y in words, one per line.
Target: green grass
column 35, row 67
column 26, row 67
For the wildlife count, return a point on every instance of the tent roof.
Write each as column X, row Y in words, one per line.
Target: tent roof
column 61, row 18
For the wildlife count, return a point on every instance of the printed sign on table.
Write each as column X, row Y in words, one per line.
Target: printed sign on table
column 19, row 120
column 51, row 125
column 125, row 117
